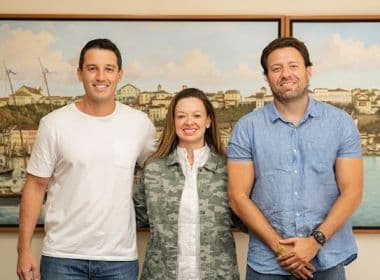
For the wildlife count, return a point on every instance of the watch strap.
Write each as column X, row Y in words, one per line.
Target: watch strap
column 319, row 237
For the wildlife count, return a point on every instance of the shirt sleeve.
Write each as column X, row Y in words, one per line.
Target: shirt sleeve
column 240, row 145
column 350, row 138
column 150, row 144
column 43, row 158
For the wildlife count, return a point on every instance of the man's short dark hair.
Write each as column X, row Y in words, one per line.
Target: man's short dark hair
column 104, row 44
column 284, row 42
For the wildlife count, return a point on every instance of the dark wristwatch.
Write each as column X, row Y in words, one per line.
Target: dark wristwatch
column 319, row 237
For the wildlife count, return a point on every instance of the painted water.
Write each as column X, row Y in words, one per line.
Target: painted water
column 368, row 214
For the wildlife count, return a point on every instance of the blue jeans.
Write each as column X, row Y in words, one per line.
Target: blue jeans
column 74, row 269
column 334, row 273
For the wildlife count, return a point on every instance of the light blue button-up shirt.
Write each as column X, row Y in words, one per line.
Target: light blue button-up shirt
column 295, row 184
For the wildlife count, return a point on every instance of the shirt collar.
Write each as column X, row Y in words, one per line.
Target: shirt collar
column 172, row 159
column 200, row 155
column 211, row 164
column 311, row 111
column 312, row 108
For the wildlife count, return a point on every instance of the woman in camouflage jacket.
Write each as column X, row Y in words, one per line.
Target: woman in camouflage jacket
column 158, row 199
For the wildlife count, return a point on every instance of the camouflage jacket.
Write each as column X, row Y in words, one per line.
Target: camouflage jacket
column 157, row 203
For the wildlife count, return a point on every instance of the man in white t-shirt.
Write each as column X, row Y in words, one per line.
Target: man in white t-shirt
column 84, row 158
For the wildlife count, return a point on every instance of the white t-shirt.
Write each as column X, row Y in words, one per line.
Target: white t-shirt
column 90, row 161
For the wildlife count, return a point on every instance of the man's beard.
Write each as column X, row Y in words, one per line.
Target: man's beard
column 290, row 96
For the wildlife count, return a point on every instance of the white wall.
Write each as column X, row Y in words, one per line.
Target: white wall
column 366, row 267
column 295, row 7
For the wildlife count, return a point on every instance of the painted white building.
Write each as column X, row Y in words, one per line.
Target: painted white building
column 3, row 101
column 25, row 96
column 232, row 95
column 365, row 101
column 128, row 94
column 338, row 95
column 157, row 113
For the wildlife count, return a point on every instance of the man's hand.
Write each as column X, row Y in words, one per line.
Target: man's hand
column 297, row 256
column 27, row 266
column 300, row 271
column 31, row 202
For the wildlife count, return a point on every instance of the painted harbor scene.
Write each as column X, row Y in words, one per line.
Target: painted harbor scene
column 43, row 78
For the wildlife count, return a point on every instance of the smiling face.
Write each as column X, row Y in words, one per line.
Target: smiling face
column 191, row 121
column 100, row 75
column 287, row 75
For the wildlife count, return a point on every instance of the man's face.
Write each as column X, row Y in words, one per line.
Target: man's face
column 287, row 75
column 100, row 75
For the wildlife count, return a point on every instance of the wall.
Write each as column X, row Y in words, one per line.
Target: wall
column 8, row 256
column 295, row 7
column 369, row 244
column 365, row 267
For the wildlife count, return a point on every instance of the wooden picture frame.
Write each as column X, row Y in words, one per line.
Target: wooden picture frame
column 345, row 51
column 39, row 55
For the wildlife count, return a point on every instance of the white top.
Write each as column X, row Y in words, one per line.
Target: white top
column 90, row 161
column 188, row 218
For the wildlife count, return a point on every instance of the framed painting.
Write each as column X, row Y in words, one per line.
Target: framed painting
column 345, row 52
column 162, row 54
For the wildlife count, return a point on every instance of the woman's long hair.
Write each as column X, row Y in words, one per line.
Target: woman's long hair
column 169, row 138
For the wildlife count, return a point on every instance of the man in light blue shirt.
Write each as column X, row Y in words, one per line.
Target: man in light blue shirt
column 295, row 175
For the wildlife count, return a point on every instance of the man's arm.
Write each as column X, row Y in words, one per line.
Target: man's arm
column 349, row 176
column 241, row 176
column 31, row 202
column 150, row 143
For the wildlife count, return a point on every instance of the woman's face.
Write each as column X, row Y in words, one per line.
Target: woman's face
column 191, row 121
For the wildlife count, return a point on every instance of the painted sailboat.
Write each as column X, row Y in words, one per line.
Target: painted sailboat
column 11, row 180
column 13, row 161
column 6, row 168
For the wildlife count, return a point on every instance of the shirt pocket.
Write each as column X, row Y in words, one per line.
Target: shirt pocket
column 320, row 148
column 123, row 156
column 322, row 172
column 320, row 160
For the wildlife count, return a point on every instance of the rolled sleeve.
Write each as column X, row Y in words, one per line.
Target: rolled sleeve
column 43, row 158
column 350, row 139
column 240, row 146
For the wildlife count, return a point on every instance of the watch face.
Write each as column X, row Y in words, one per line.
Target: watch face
column 319, row 236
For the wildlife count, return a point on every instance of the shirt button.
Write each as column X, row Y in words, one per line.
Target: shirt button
column 295, row 193
column 297, row 214
column 295, row 171
column 300, row 234
column 295, row 150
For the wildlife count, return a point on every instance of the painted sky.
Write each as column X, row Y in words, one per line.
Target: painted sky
column 211, row 55
column 344, row 54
